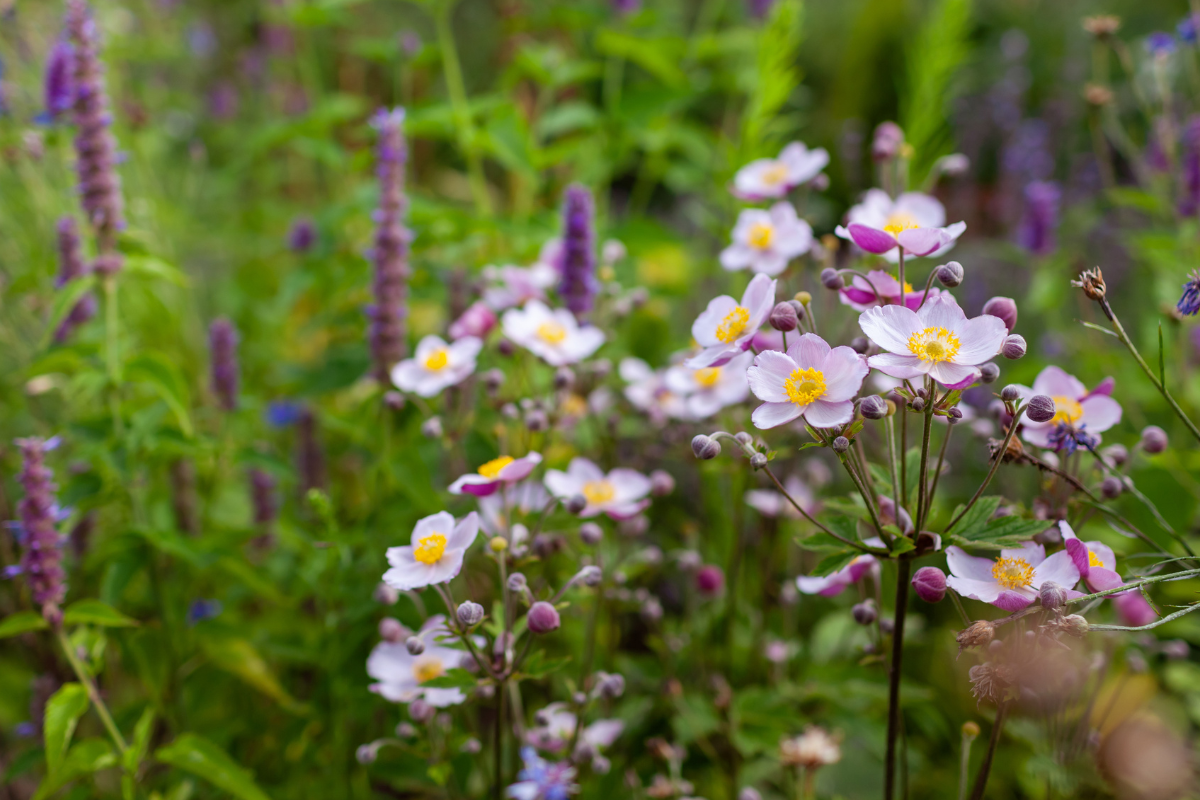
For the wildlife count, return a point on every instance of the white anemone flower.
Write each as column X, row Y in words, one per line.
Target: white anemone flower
column 436, row 553
column 620, row 494
column 402, row 675
column 1010, row 582
column 552, row 335
column 765, row 241
column 436, row 365
column 773, row 178
column 914, row 221
column 648, row 392
column 726, row 328
column 707, row 390
column 811, row 380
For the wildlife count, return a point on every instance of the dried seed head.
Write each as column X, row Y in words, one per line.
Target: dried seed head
column 979, row 634
column 1092, row 283
column 1102, row 25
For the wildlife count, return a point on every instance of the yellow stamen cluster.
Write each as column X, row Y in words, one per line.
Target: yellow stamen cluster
column 1012, row 573
column 437, row 360
column 761, row 235
column 427, row 668
column 804, row 386
column 774, row 174
column 1066, row 410
column 429, row 549
column 734, row 325
column 551, row 332
column 708, row 376
column 598, row 492
column 492, row 468
column 1094, row 560
column 934, row 344
column 900, row 222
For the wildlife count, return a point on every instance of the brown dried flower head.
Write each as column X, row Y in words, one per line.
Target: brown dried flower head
column 1102, row 25
column 1092, row 283
column 1097, row 95
column 978, row 635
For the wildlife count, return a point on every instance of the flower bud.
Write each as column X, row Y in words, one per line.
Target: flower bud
column 745, row 438
column 493, row 379
column 860, row 345
column 1003, row 307
column 886, row 626
column 865, row 612
column 783, row 318
column 1010, row 394
column 536, row 420
column 1040, row 409
column 366, row 753
column 705, row 448
column 710, row 579
column 590, row 533
column 930, row 584
column 661, row 483
column 918, row 404
column 1111, row 487
column 950, row 274
column 395, row 401
column 831, row 280
column 505, row 347
column 798, row 307
column 989, row 372
column 1117, row 454
column 759, row 460
column 634, row 526
column 749, row 793
column 498, row 544
column 841, row 444
column 432, row 428
column 385, row 595
column 542, row 617
column 517, row 582
column 390, row 630
column 1076, row 625
column 564, row 378
column 610, row 686
column 469, row 614
column 651, row 610
column 978, row 635
column 590, row 575
column 886, row 144
column 1176, row 650
column 471, row 746
column 405, row 730
column 414, row 646
column 1154, row 439
column 421, row 712
column 1052, row 596
column 575, row 503
column 803, row 298
column 873, row 407
column 1014, row 347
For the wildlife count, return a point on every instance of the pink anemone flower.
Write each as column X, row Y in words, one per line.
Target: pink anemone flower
column 913, row 221
column 501, row 471
column 811, row 380
column 836, row 583
column 860, row 293
column 1097, row 565
column 726, row 328
column 1012, row 581
column 620, row 494
column 1075, row 408
column 765, row 241
column 773, row 178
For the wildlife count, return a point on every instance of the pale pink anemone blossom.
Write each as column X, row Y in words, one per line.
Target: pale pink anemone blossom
column 620, row 494
column 497, row 511
column 515, row 286
column 773, row 178
column 648, row 392
column 436, row 365
column 914, row 221
column 1074, row 406
column 556, row 728
column 770, row 503
column 478, row 321
column 938, row 340
column 860, row 293
column 811, row 380
column 552, row 335
column 500, row 471
column 765, row 241
column 707, row 390
column 726, row 328
column 1097, row 565
column 836, row 582
column 401, row 676
column 1012, row 581
column 435, row 554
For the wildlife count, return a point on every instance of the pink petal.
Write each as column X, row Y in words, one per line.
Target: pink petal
column 872, row 240
column 985, row 591
column 898, row 366
column 942, row 312
column 824, row 414
column 950, row 374
column 809, row 351
column 1059, row 568
column 772, row 415
column 1055, row 382
column 963, row 565
column 1079, row 555
column 771, row 368
column 980, row 339
column 1100, row 413
column 844, row 371
column 920, row 242
column 890, row 327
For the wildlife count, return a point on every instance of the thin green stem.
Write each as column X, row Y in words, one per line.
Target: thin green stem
column 1087, row 598
column 1151, row 626
column 463, row 122
column 923, row 472
column 93, row 693
column 893, row 463
column 981, row 778
column 807, row 516
column 866, row 496
column 1012, row 428
column 941, row 462
column 903, row 573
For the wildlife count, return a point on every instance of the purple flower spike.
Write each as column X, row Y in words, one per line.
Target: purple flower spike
column 390, row 251
column 302, row 236
column 577, row 256
column 262, row 494
column 58, row 88
column 760, row 8
column 99, row 185
column 70, row 267
column 42, row 560
column 1189, row 202
column 627, row 6
column 1039, row 224
column 223, row 342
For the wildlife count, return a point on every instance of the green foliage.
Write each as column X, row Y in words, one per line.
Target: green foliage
column 933, row 60
column 777, row 76
column 63, row 711
column 205, row 760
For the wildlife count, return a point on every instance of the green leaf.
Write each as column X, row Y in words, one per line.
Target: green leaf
column 85, row 758
column 1100, row 328
column 65, row 300
column 832, row 563
column 206, row 760
column 63, row 711
column 22, row 622
column 777, row 77
column 238, row 657
column 94, row 612
column 453, row 679
column 977, row 517
column 998, row 533
column 659, row 57
column 140, row 744
column 537, row 666
column 807, row 445
column 933, row 58
column 165, row 378
column 902, row 544
column 152, row 267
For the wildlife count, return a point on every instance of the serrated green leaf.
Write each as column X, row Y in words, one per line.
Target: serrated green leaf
column 94, row 612
column 452, row 679
column 1003, row 532
column 63, row 710
column 206, row 760
column 977, row 517
column 832, row 563
column 22, row 622
column 807, row 445
column 85, row 758
column 902, row 544
column 164, row 377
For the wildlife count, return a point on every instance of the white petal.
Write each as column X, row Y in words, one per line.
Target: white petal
column 772, row 415
column 890, row 327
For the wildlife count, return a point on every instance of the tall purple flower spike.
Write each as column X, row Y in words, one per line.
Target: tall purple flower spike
column 223, row 342
column 58, row 88
column 390, row 251
column 1039, row 224
column 262, row 496
column 1189, row 202
column 41, row 561
column 70, row 267
column 626, row 6
column 760, row 8
column 577, row 255
column 95, row 147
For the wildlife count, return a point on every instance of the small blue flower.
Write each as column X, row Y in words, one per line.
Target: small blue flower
column 282, row 413
column 543, row 780
column 1067, row 439
column 201, row 610
column 1160, row 44
column 1186, row 29
column 1189, row 304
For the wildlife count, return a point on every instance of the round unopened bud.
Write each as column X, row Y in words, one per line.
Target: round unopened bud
column 978, row 635
column 564, row 378
column 575, row 503
column 493, row 379
column 749, row 793
column 395, row 401
column 414, row 646
column 873, row 407
column 1076, row 625
column 798, row 307
column 989, row 372
column 918, row 404
column 1175, row 649
column 421, row 711
column 1154, row 439
column 1003, row 307
column 661, row 483
column 783, row 318
column 970, row 730
column 510, row 411
column 471, row 746
column 542, row 617
column 831, row 280
column 391, row 630
column 950, row 274
column 1116, row 454
column 366, row 754
column 1040, row 409
column 386, row 595
column 745, row 438
column 710, row 579
column 469, row 614
column 590, row 533
column 865, row 613
column 930, row 584
column 536, row 420
column 634, row 526
column 591, row 575
column 705, row 448
column 1052, row 596
column 1010, row 394
column 758, row 460
column 505, row 347
column 405, row 730
column 498, row 544
column 860, row 344
column 517, row 582
column 803, row 298
column 432, row 428
column 611, row 685
column 886, row 626
column 1014, row 346
column 841, row 444
column 1111, row 487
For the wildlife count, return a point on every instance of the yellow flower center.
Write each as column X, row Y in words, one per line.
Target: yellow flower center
column 934, row 344
column 428, row 668
column 574, row 405
column 900, row 222
column 761, row 235
column 1012, row 573
column 708, row 376
column 437, row 360
column 430, row 548
column 551, row 332
column 1094, row 560
column 492, row 468
column 598, row 492
column 804, row 386
column 1066, row 410
column 908, row 287
column 774, row 174
column 734, row 325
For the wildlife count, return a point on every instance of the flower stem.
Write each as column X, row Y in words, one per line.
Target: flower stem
column 805, row 514
column 981, row 778
column 93, row 693
column 923, row 473
column 1012, row 429
column 941, row 461
column 452, row 71
column 866, row 496
column 903, row 573
column 1151, row 626
column 893, row 463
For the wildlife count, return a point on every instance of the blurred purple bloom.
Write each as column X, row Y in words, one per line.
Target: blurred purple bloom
column 58, row 87
column 41, row 561
column 223, row 101
column 223, row 342
column 1160, row 43
column 542, row 779
column 1067, row 439
column 1189, row 202
column 1189, row 304
column 626, row 6
column 70, row 267
column 282, row 413
column 302, row 236
column 390, row 252
column 577, row 256
column 201, row 610
column 310, row 456
column 202, row 41
column 262, row 496
column 759, row 8
column 1186, row 29
column 1039, row 224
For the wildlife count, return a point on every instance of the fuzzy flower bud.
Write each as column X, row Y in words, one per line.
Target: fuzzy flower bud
column 1003, row 307
column 577, row 255
column 918, row 404
column 1052, row 596
column 783, row 318
column 661, row 483
column 432, row 428
column 391, row 630
column 469, row 614
column 389, row 251
column 1040, row 409
column 575, row 503
column 873, row 407
column 710, row 579
column 590, row 533
column 860, row 345
column 759, row 460
column 1013, row 347
column 223, row 343
column 989, row 372
column 385, row 595
column 705, row 448
column 889, row 138
column 542, row 617
column 930, row 584
column 1154, row 439
column 865, row 613
column 421, row 711
column 1010, row 394
column 591, row 575
column 950, row 274
column 536, row 420
column 41, row 561
column 831, row 280
column 70, row 267
column 517, row 582
column 1111, row 487
column 841, row 444
column 564, row 378
column 414, row 646
column 610, row 685
column 749, row 793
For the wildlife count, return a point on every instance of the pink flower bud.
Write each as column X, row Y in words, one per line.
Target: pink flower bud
column 710, row 579
column 930, row 584
column 543, row 617
column 1003, row 307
